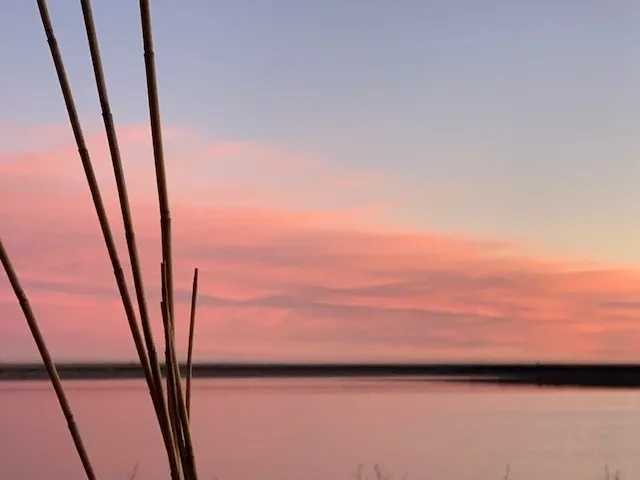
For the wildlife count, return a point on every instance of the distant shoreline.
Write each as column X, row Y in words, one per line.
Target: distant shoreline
column 577, row 375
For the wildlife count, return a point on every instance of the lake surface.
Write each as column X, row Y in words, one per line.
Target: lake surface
column 323, row 429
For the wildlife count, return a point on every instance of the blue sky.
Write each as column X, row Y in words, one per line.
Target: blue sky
column 495, row 118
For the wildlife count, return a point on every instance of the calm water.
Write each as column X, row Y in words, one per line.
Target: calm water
column 323, row 429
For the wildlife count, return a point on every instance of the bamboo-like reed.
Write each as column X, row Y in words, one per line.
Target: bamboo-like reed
column 123, row 196
column 95, row 193
column 48, row 362
column 180, row 415
column 192, row 322
column 172, row 412
column 112, row 139
column 171, row 395
column 104, row 224
column 158, row 149
column 173, row 376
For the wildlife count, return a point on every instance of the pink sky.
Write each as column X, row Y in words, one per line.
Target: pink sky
column 297, row 261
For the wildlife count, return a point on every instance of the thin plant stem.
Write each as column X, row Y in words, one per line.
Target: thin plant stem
column 98, row 203
column 158, row 149
column 171, row 401
column 171, row 398
column 192, row 322
column 48, row 362
column 169, row 374
column 172, row 414
column 182, row 417
column 173, row 373
column 116, row 160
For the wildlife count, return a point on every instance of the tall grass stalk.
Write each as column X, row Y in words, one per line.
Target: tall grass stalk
column 192, row 322
column 114, row 149
column 95, row 192
column 173, row 373
column 183, row 432
column 158, row 150
column 48, row 362
column 171, row 411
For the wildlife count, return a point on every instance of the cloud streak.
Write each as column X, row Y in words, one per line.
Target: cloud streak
column 302, row 283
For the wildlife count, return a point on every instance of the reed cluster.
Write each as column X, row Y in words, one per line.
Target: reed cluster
column 170, row 402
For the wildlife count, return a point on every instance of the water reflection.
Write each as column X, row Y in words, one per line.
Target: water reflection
column 316, row 429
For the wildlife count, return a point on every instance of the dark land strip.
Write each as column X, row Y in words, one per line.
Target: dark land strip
column 578, row 375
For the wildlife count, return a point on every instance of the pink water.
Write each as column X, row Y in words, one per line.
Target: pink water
column 323, row 429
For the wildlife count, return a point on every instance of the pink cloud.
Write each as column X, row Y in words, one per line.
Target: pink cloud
column 221, row 173
column 297, row 283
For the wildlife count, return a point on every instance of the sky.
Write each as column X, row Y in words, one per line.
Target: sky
column 409, row 181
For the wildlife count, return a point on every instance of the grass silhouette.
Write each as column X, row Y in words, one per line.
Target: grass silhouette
column 166, row 394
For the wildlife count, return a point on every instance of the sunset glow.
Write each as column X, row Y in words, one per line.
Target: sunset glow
column 410, row 228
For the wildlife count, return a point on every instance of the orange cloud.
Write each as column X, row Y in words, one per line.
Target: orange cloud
column 302, row 284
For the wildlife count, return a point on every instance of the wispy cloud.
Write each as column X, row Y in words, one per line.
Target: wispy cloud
column 201, row 169
column 284, row 281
